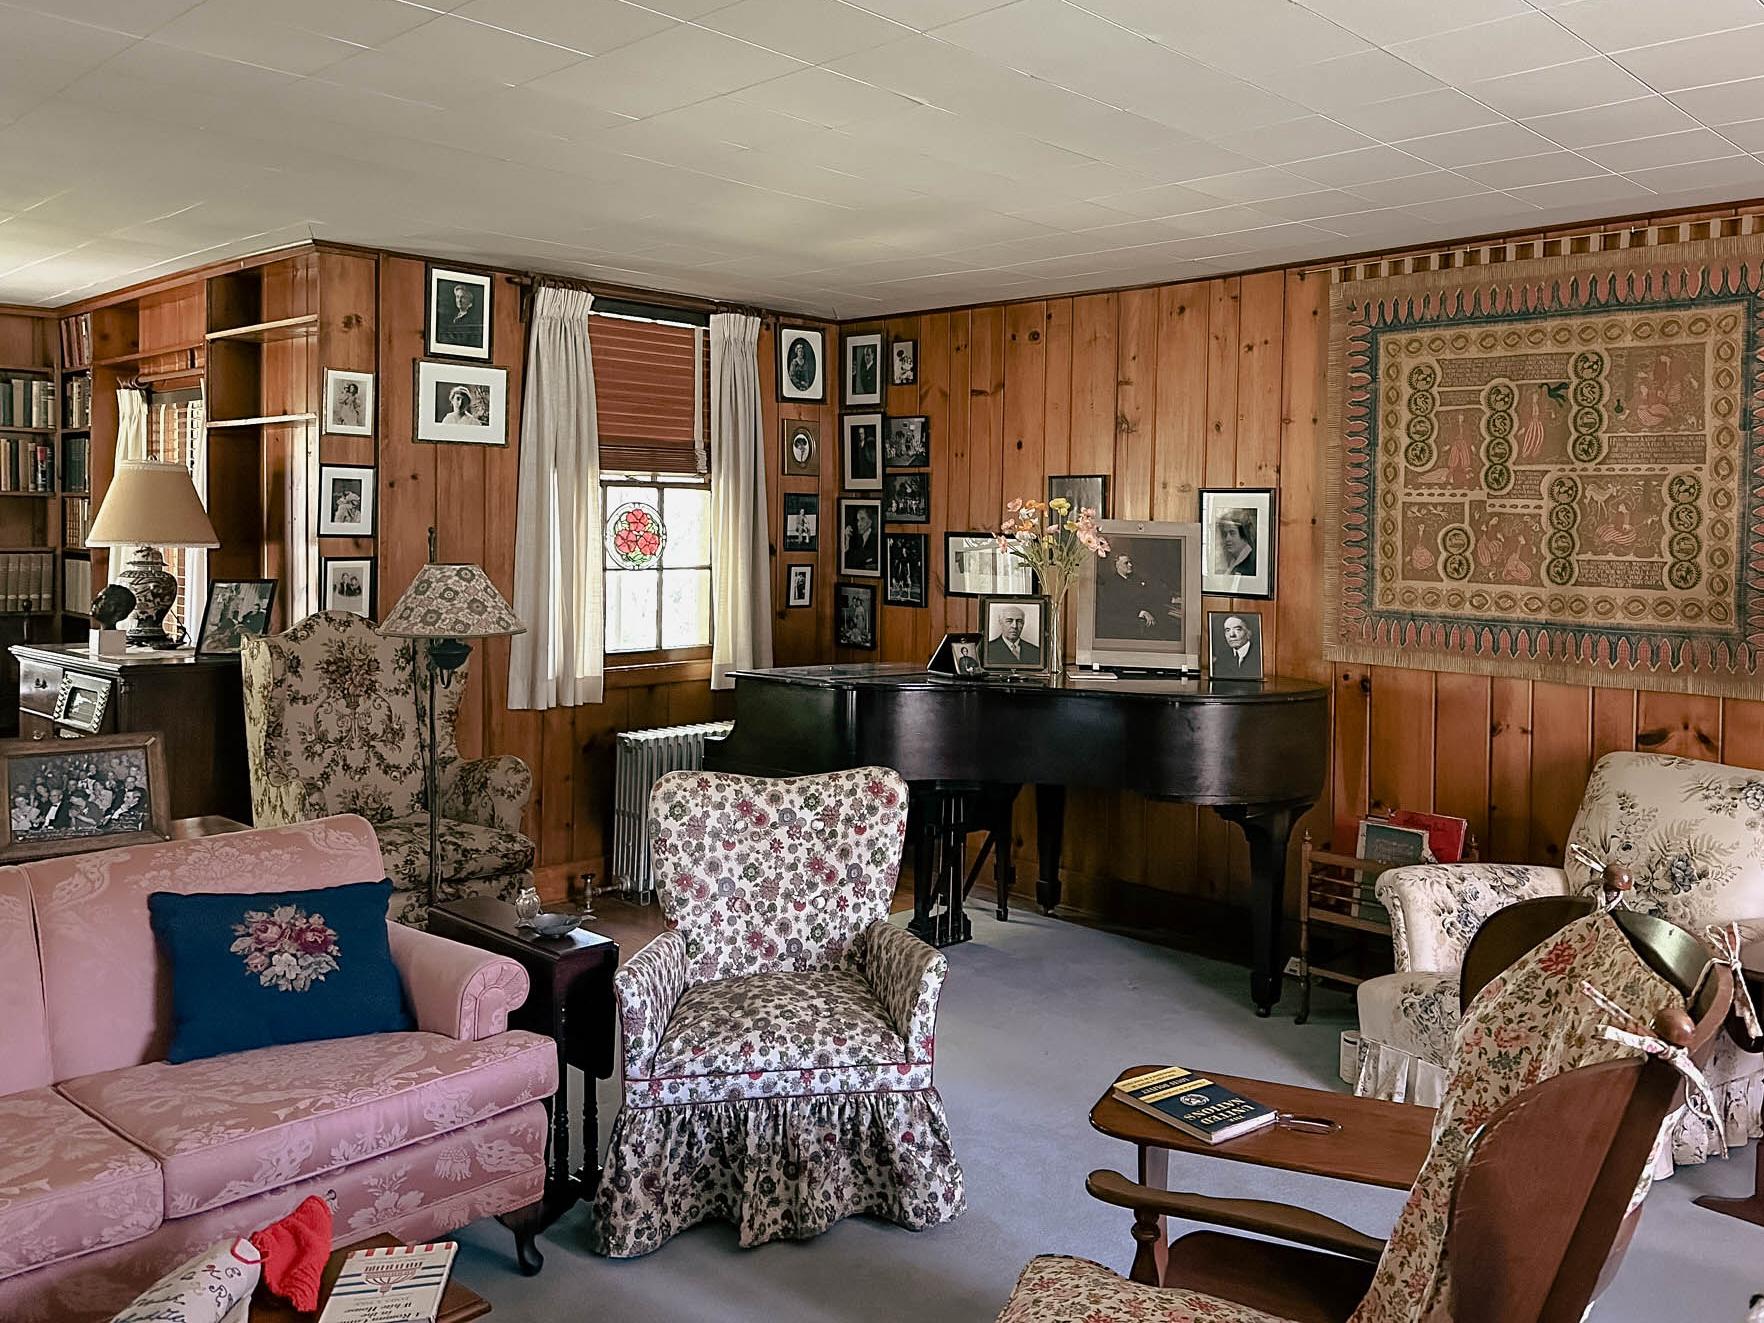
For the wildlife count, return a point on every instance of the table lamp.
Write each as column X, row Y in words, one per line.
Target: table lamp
column 150, row 504
column 447, row 605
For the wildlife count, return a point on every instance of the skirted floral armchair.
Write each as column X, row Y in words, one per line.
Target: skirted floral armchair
column 336, row 722
column 1691, row 834
column 778, row 1041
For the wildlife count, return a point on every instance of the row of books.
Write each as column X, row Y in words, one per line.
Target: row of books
column 78, row 410
column 27, row 401
column 27, row 581
column 27, row 464
column 76, row 342
column 1404, row 836
column 76, row 583
column 76, row 518
column 76, row 463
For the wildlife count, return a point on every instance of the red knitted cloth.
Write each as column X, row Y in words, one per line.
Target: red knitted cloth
column 294, row 1252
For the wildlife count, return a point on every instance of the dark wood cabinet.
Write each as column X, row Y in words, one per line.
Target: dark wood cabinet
column 194, row 702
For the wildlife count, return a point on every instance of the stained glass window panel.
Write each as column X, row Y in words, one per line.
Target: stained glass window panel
column 685, row 614
column 687, row 512
column 631, row 610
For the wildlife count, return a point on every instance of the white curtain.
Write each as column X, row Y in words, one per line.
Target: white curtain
column 131, row 423
column 741, row 573
column 561, row 660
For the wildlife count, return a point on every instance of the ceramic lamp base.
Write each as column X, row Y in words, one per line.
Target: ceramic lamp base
column 155, row 590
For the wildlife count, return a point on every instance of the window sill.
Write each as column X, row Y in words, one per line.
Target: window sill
column 636, row 675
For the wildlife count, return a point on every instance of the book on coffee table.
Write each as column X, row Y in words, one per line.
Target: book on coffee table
column 391, row 1284
column 1194, row 1104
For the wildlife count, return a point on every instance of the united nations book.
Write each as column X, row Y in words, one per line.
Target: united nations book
column 395, row 1284
column 1194, row 1104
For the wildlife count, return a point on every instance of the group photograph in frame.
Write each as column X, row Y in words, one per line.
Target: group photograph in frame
column 908, row 442
column 1013, row 630
column 855, row 616
column 459, row 313
column 460, row 403
column 974, row 565
column 860, row 538
column 903, row 363
column 346, row 500
column 799, row 586
column 1085, row 491
column 802, row 521
column 347, row 584
column 861, row 445
column 1139, row 606
column 1234, row 645
column 906, row 498
column 957, row 655
column 800, row 446
column 93, row 793
column 802, row 365
column 903, row 583
column 863, row 369
column 1238, row 556
column 349, row 402
column 236, row 609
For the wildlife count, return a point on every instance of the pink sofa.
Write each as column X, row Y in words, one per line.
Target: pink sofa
column 115, row 1165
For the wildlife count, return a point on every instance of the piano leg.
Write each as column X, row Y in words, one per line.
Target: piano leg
column 1050, row 835
column 940, row 815
column 1267, row 828
column 1004, row 863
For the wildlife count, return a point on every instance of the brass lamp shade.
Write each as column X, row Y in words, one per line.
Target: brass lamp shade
column 451, row 602
column 153, row 504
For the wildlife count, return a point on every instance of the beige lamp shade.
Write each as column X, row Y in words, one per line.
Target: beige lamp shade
column 152, row 504
column 451, row 602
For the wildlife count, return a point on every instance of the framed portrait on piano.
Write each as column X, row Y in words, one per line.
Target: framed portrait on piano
column 1139, row 607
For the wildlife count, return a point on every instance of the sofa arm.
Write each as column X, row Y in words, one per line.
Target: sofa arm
column 1435, row 909
column 647, row 989
column 906, row 974
column 455, row 989
column 490, row 792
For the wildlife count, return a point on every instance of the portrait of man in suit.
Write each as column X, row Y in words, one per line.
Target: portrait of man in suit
column 1236, row 645
column 860, row 541
column 1013, row 636
column 1139, row 590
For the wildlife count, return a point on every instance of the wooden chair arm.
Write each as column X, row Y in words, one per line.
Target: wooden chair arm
column 1300, row 1226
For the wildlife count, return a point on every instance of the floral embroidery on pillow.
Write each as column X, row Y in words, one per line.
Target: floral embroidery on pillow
column 287, row 948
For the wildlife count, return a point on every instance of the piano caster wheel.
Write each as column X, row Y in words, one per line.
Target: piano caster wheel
column 1046, row 909
column 1004, row 915
column 1262, row 1012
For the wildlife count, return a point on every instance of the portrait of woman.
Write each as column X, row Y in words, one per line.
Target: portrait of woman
column 1237, row 552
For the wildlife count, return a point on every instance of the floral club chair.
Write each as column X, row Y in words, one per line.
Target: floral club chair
column 335, row 722
column 1692, row 836
column 778, row 1040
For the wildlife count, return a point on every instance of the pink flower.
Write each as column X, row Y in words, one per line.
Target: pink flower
column 315, row 940
column 266, row 932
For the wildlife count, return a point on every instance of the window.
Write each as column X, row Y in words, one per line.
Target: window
column 656, row 544
column 175, row 433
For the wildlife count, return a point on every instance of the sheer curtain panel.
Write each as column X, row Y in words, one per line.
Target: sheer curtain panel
column 741, row 575
column 561, row 660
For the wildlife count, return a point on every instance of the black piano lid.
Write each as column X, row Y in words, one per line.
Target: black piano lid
column 908, row 675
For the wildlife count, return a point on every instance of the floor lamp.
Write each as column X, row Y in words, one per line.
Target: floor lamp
column 446, row 605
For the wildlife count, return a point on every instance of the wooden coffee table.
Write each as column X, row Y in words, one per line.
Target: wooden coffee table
column 459, row 1304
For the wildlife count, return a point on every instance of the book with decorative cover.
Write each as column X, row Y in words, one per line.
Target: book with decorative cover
column 1194, row 1104
column 395, row 1284
column 1445, row 834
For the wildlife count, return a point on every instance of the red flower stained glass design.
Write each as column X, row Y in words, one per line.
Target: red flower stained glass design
column 635, row 536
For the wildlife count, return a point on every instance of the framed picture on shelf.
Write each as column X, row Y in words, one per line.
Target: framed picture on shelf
column 1234, row 645
column 459, row 313
column 861, row 443
column 802, row 521
column 456, row 402
column 799, row 589
column 908, row 444
column 349, row 402
column 903, row 363
column 904, row 581
column 81, row 701
column 860, row 538
column 1238, row 556
column 856, row 616
column 802, row 365
column 236, row 609
column 67, row 796
column 1013, row 627
column 801, row 448
column 958, row 654
column 346, row 500
column 1086, row 491
column 1139, row 606
column 348, row 584
column 974, row 565
column 863, row 369
column 906, row 498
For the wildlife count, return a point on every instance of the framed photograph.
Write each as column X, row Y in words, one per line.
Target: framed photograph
column 1086, row 491
column 801, row 448
column 1234, row 645
column 860, row 538
column 86, row 794
column 903, row 363
column 81, row 701
column 904, row 582
column 1012, row 629
column 1139, row 606
column 348, row 584
column 459, row 313
column 456, row 402
column 906, row 498
column 861, row 437
column 236, row 608
column 909, row 442
column 802, row 364
column 800, row 586
column 349, row 402
column 863, row 369
column 802, row 521
column 1238, row 559
column 958, row 654
column 346, row 500
column 974, row 565
column 856, row 616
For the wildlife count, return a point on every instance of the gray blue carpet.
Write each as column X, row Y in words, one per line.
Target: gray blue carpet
column 1037, row 1016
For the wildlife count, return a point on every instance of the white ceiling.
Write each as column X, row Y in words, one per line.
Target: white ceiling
column 851, row 157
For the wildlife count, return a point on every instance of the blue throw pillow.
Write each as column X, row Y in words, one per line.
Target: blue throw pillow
column 258, row 969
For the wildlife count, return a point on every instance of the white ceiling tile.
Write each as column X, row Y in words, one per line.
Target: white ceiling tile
column 1071, row 215
column 1354, row 80
column 1252, row 185
column 1492, row 142
column 1314, row 206
column 823, row 97
column 490, row 53
column 41, row 54
column 1434, row 186
column 595, row 26
column 223, row 30
column 1718, row 57
column 1295, row 139
column 810, row 30
column 1723, row 103
column 1601, row 191
column 362, row 22
column 1477, row 212
column 1443, row 110
column 1544, row 168
column 1490, row 50
column 1347, row 169
column 134, row 17
column 1644, row 117
column 1164, row 200
column 1748, row 135
column 1736, row 176
column 1667, row 149
column 1386, row 22
column 1595, row 81
column 699, row 63
column 1614, row 25
column 923, row 15
column 1245, row 37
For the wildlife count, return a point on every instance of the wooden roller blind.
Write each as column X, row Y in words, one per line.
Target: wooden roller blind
column 651, row 392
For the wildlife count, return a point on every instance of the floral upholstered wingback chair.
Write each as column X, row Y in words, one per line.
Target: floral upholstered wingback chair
column 1692, row 836
column 336, row 722
column 779, row 1039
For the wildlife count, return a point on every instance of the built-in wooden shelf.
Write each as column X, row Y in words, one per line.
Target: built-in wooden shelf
column 8, row 430
column 118, row 360
column 214, row 423
column 263, row 332
column 35, row 369
column 178, row 374
column 35, row 496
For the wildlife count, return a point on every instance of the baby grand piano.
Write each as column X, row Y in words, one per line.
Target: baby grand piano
column 1253, row 751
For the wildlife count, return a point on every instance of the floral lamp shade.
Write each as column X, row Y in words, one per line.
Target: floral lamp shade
column 451, row 602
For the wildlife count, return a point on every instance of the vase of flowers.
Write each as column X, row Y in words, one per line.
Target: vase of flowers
column 1054, row 541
